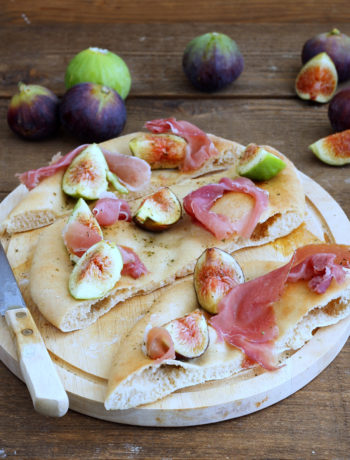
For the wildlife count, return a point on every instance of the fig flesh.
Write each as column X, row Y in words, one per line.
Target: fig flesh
column 116, row 184
column 92, row 112
column 317, row 80
column 86, row 176
column 339, row 110
column 258, row 164
column 190, row 334
column 159, row 211
column 33, row 112
column 81, row 231
column 159, row 150
column 336, row 45
column 212, row 61
column 215, row 274
column 96, row 65
column 334, row 149
column 96, row 273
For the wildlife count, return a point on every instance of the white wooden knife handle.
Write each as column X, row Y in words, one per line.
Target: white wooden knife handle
column 39, row 373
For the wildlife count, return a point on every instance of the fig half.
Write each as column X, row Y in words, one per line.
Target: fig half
column 336, row 45
column 334, row 149
column 317, row 80
column 81, row 231
column 159, row 150
column 215, row 274
column 159, row 211
column 86, row 176
column 190, row 334
column 96, row 272
column 258, row 164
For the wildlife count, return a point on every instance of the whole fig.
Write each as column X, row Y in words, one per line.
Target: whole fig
column 339, row 110
column 92, row 112
column 212, row 61
column 336, row 45
column 33, row 112
column 96, row 65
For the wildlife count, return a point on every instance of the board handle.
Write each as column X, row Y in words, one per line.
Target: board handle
column 45, row 387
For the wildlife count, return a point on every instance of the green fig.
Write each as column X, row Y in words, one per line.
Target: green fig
column 259, row 164
column 334, row 149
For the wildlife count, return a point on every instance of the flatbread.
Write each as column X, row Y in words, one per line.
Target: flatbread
column 168, row 256
column 135, row 379
column 46, row 202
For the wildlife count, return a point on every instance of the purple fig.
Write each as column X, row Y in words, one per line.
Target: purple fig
column 92, row 112
column 339, row 110
column 336, row 45
column 33, row 112
column 212, row 61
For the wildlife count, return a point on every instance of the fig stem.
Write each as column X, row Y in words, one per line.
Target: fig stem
column 335, row 31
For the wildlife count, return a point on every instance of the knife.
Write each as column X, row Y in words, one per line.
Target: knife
column 39, row 373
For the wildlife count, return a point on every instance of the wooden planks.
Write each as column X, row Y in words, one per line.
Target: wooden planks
column 172, row 11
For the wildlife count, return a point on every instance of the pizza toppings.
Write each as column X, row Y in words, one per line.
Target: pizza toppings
column 132, row 264
column 133, row 172
column 215, row 274
column 109, row 209
column 81, row 231
column 96, row 272
column 246, row 317
column 189, row 334
column 198, row 203
column 159, row 344
column 159, row 211
column 259, row 164
column 200, row 147
column 159, row 150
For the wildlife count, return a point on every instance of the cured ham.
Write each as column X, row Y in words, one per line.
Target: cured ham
column 159, row 344
column 133, row 266
column 246, row 317
column 133, row 172
column 200, row 147
column 32, row 178
column 109, row 209
column 198, row 203
column 79, row 236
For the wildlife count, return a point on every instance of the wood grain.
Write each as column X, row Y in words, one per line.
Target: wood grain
column 173, row 11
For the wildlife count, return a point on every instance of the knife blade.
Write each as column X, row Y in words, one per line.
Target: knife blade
column 45, row 387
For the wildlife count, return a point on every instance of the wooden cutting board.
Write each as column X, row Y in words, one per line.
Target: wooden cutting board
column 83, row 358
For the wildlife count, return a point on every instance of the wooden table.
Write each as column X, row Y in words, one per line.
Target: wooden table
column 37, row 41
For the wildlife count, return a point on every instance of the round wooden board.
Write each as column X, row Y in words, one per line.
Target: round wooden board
column 85, row 375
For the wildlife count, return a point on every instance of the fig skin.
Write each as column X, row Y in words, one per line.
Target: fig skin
column 212, row 61
column 96, row 65
column 339, row 111
column 33, row 112
column 317, row 80
column 336, row 45
column 92, row 112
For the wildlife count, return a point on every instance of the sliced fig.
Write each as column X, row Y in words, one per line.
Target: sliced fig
column 81, row 231
column 317, row 80
column 159, row 150
column 86, row 176
column 159, row 211
column 190, row 334
column 334, row 149
column 215, row 274
column 116, row 184
column 258, row 164
column 96, row 272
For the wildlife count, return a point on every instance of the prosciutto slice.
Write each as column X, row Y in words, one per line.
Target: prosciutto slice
column 132, row 264
column 198, row 203
column 109, row 209
column 133, row 172
column 200, row 147
column 80, row 236
column 159, row 344
column 32, row 178
column 246, row 317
